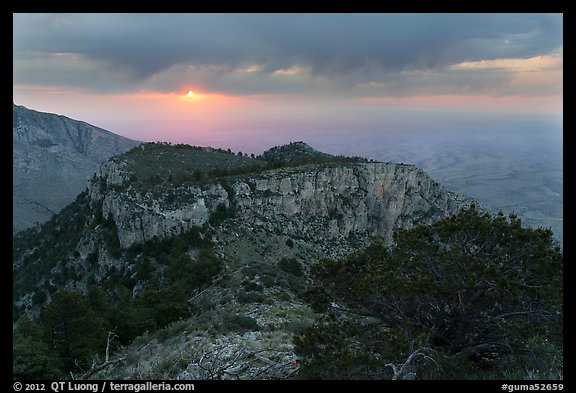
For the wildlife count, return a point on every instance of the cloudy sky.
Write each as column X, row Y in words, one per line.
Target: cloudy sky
column 131, row 73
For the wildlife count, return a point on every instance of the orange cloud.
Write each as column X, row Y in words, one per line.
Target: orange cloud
column 290, row 71
column 531, row 64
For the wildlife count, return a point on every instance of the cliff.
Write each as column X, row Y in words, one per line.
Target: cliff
column 316, row 203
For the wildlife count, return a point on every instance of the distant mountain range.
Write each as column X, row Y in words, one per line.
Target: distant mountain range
column 53, row 158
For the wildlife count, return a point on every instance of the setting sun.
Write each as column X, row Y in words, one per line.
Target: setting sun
column 192, row 96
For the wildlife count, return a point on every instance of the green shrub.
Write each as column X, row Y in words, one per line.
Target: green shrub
column 292, row 266
column 268, row 281
column 251, row 286
column 240, row 322
column 251, row 297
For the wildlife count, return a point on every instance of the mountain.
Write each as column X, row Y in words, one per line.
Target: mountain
column 294, row 153
column 325, row 204
column 197, row 258
column 53, row 158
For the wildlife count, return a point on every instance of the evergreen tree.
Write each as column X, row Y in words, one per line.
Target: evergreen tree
column 32, row 359
column 32, row 356
column 473, row 296
column 75, row 331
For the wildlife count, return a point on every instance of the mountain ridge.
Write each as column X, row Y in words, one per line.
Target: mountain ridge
column 320, row 209
column 208, row 251
column 53, row 156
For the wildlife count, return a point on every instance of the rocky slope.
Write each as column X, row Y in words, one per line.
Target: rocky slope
column 264, row 223
column 53, row 157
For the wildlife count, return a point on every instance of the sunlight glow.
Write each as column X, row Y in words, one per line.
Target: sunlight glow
column 192, row 96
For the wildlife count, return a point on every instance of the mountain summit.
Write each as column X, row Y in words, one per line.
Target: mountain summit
column 294, row 152
column 53, row 158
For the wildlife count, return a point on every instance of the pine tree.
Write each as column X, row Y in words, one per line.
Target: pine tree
column 472, row 296
column 75, row 331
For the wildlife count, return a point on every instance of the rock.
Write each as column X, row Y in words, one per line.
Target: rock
column 318, row 203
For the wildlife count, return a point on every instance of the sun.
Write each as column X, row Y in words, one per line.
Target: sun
column 190, row 95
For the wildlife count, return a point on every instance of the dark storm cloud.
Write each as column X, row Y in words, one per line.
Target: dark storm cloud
column 349, row 48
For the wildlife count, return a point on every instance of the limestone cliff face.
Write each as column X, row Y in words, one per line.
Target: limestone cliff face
column 370, row 199
column 53, row 158
column 314, row 203
column 141, row 217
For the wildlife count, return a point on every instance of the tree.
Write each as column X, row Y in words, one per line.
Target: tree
column 123, row 317
column 221, row 213
column 292, row 266
column 97, row 301
column 472, row 296
column 197, row 175
column 75, row 331
column 156, row 308
column 193, row 275
column 144, row 269
column 32, row 359
column 31, row 355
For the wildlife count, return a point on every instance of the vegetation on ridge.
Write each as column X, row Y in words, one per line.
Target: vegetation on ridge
column 153, row 164
column 470, row 297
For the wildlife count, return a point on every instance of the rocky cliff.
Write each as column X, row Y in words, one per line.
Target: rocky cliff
column 324, row 204
column 53, row 157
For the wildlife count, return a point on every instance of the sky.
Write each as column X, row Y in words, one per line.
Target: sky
column 253, row 75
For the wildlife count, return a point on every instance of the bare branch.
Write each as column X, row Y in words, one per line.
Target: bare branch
column 420, row 352
column 107, row 362
column 101, row 367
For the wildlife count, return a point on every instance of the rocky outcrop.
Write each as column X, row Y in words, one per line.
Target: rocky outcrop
column 53, row 158
column 317, row 203
column 370, row 199
column 140, row 217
